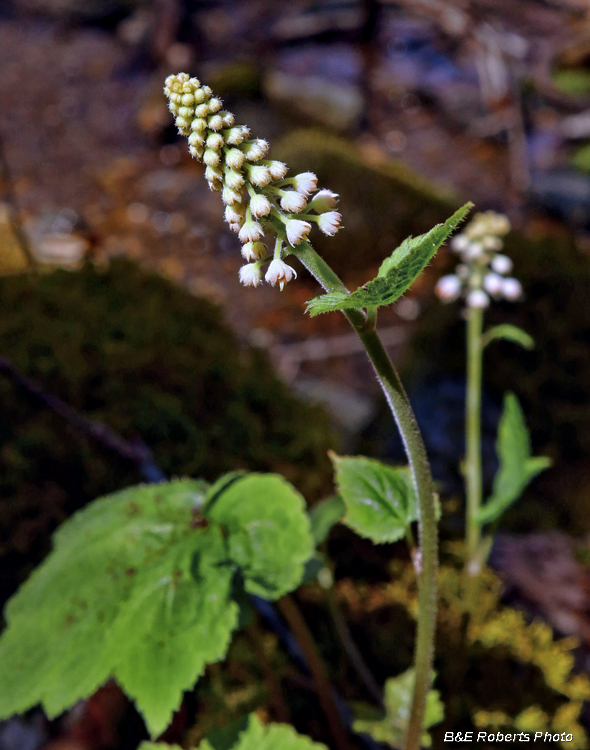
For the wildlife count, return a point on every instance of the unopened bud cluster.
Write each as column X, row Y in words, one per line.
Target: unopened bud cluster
column 483, row 271
column 260, row 200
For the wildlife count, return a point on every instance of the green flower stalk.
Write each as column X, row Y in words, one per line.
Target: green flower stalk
column 263, row 204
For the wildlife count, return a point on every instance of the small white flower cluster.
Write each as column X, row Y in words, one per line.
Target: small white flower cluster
column 259, row 199
column 482, row 273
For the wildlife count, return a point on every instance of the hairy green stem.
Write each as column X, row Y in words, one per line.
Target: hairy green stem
column 422, row 479
column 473, row 477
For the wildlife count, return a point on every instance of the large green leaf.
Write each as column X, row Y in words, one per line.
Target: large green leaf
column 139, row 587
column 269, row 532
column 251, row 734
column 324, row 516
column 380, row 500
column 397, row 273
column 393, row 727
column 517, row 467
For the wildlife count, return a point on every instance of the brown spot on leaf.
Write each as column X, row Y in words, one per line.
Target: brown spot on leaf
column 198, row 522
column 133, row 508
column 131, row 571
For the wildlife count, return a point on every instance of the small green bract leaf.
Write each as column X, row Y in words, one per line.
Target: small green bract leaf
column 380, row 500
column 397, row 273
column 393, row 727
column 139, row 587
column 517, row 467
column 251, row 734
column 508, row 333
column 324, row 516
column 269, row 532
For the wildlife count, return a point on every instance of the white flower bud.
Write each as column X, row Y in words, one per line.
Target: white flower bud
column 207, row 91
column 459, row 243
column 277, row 169
column 186, row 112
column 251, row 231
column 212, row 174
column 477, row 299
column 182, row 125
column 188, row 100
column 324, row 201
column 215, row 122
column 491, row 242
column 202, row 110
column 234, row 158
column 211, row 158
column 196, row 138
column 462, row 271
column 251, row 275
column 200, row 95
column 236, row 136
column 279, row 273
column 472, row 251
column 492, row 283
column 448, row 288
column 196, row 151
column 253, row 250
column 228, row 119
column 234, row 180
column 234, row 227
column 259, row 205
column 329, row 222
column 215, row 104
column 502, row 264
column 255, row 150
column 230, row 196
column 293, row 202
column 235, row 214
column 260, row 176
column 297, row 231
column 215, row 141
column 511, row 289
column 199, row 124
column 305, row 183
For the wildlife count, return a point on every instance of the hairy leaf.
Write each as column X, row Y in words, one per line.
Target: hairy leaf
column 140, row 587
column 393, row 727
column 324, row 516
column 269, row 532
column 517, row 467
column 397, row 273
column 380, row 500
column 250, row 733
column 508, row 333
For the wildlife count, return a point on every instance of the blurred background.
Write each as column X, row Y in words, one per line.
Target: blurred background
column 131, row 352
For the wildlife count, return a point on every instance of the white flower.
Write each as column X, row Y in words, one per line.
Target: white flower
column 448, row 288
column 196, row 151
column 324, row 201
column 235, row 214
column 277, row 169
column 305, row 183
column 260, row 176
column 502, row 264
column 279, row 273
column 251, row 275
column 462, row 271
column 511, row 289
column 297, row 231
column 196, row 138
column 202, row 110
column 199, row 124
column 255, row 150
column 293, row 202
column 215, row 104
column 212, row 174
column 215, row 141
column 492, row 283
column 211, row 158
column 259, row 205
column 234, row 158
column 230, row 196
column 490, row 242
column 251, row 231
column 233, row 179
column 238, row 135
column 253, row 250
column 215, row 122
column 472, row 251
column 228, row 119
column 477, row 299
column 459, row 243
column 329, row 223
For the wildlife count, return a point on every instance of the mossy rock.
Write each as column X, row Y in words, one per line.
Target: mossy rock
column 381, row 204
column 127, row 348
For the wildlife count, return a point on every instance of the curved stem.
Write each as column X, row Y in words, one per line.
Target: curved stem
column 473, row 475
column 422, row 479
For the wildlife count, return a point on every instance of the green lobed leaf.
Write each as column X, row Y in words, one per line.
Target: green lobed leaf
column 269, row 532
column 250, row 733
column 140, row 587
column 508, row 333
column 324, row 516
column 380, row 500
column 397, row 273
column 517, row 467
column 393, row 727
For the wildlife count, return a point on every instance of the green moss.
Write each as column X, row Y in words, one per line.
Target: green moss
column 129, row 349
